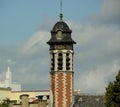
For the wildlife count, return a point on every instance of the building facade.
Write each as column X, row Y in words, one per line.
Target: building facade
column 61, row 58
column 15, row 95
column 41, row 98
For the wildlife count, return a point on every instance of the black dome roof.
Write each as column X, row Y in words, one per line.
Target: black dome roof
column 66, row 34
column 61, row 26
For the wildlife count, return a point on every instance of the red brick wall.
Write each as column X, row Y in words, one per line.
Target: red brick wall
column 69, row 93
column 62, row 88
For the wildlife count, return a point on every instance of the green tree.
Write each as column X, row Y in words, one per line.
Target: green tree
column 112, row 95
column 5, row 102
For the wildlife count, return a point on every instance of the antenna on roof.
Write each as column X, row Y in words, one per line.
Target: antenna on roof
column 61, row 15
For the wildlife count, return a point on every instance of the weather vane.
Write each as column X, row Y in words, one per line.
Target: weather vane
column 61, row 15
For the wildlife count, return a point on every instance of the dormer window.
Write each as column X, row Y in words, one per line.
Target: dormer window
column 59, row 35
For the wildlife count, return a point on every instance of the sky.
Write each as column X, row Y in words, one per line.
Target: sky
column 25, row 27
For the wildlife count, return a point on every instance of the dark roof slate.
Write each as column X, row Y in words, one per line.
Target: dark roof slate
column 66, row 32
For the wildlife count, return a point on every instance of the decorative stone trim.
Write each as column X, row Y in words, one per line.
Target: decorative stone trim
column 56, row 90
column 64, row 90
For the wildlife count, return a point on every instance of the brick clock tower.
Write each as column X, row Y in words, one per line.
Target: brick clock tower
column 61, row 64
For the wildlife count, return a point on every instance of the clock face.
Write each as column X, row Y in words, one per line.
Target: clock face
column 59, row 35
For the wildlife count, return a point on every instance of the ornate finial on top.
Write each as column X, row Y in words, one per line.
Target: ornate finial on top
column 61, row 15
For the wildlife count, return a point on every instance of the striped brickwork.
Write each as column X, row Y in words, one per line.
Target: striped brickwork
column 62, row 88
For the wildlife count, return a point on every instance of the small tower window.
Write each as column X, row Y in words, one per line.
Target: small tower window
column 67, row 61
column 60, row 61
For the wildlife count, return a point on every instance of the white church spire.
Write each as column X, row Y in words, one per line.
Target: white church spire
column 8, row 79
column 8, row 74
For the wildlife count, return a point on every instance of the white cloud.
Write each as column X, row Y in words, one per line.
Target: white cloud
column 94, row 40
column 94, row 81
column 109, row 12
column 33, row 61
column 36, row 42
column 97, row 58
column 10, row 62
column 110, row 8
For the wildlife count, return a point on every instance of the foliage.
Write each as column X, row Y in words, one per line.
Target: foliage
column 112, row 95
column 5, row 102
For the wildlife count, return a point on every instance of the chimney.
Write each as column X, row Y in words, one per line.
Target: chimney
column 25, row 100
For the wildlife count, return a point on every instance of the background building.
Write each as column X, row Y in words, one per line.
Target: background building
column 15, row 86
column 87, row 100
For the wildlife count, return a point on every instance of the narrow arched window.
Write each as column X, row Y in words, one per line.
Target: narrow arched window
column 60, row 61
column 53, row 61
column 67, row 61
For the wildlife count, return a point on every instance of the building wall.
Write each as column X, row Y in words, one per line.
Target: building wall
column 16, row 86
column 5, row 92
column 32, row 94
column 2, row 84
column 15, row 95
